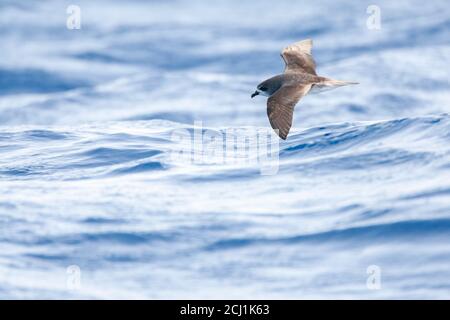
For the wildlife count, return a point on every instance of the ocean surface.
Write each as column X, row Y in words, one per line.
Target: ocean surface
column 103, row 194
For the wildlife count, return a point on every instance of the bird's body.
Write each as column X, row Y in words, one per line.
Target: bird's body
column 285, row 90
column 292, row 78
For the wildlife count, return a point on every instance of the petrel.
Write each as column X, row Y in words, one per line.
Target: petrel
column 285, row 90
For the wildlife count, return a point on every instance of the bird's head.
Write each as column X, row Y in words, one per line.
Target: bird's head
column 260, row 90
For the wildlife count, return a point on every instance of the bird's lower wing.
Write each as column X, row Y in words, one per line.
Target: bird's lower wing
column 280, row 107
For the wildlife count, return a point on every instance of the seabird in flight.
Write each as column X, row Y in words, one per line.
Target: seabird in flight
column 285, row 90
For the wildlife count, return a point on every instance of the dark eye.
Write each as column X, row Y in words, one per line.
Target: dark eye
column 263, row 89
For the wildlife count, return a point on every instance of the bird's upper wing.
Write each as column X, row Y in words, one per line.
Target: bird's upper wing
column 298, row 57
column 280, row 107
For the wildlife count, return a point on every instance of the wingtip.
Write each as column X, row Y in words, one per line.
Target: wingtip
column 302, row 45
column 282, row 136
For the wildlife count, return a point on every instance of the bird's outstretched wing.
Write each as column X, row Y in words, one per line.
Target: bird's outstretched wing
column 280, row 107
column 298, row 57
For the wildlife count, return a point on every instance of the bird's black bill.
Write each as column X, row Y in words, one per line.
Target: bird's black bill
column 255, row 94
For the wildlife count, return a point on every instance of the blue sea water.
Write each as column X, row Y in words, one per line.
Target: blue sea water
column 89, row 185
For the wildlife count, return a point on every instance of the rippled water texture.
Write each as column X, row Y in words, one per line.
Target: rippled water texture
column 88, row 178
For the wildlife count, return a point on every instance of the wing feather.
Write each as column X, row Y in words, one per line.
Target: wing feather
column 280, row 107
column 297, row 57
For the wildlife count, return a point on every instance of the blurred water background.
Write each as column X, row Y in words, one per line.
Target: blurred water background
column 87, row 179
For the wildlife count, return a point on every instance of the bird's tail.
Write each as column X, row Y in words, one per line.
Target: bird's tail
column 337, row 83
column 329, row 84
